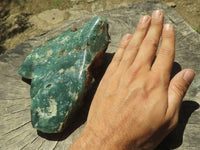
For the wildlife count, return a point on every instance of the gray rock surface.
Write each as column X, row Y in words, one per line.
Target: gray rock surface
column 16, row 131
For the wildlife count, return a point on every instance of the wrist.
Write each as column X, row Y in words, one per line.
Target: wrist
column 89, row 139
column 86, row 141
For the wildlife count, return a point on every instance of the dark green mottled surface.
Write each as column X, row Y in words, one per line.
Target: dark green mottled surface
column 58, row 70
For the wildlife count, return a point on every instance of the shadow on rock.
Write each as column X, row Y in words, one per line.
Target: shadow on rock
column 175, row 138
column 175, row 69
column 28, row 81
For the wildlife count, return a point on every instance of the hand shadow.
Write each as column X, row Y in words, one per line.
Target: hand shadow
column 175, row 138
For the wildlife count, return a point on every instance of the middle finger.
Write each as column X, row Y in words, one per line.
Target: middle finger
column 150, row 43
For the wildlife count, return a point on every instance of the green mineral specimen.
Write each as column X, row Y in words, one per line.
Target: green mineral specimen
column 61, row 70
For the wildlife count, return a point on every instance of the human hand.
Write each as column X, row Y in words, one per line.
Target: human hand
column 136, row 105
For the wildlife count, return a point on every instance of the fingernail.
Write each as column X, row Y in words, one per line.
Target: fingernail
column 144, row 19
column 188, row 76
column 156, row 14
column 168, row 27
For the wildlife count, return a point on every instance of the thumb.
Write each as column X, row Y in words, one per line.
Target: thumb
column 178, row 87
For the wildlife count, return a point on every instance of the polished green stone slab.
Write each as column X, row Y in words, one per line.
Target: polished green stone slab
column 61, row 70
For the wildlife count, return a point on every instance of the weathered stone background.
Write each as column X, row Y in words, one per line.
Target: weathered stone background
column 16, row 131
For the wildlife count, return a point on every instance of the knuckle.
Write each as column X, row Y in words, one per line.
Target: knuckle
column 128, row 36
column 141, row 28
column 125, row 40
column 157, row 22
column 126, row 59
column 117, row 57
column 151, row 41
column 167, row 34
column 134, row 46
column 171, row 120
column 133, row 72
column 165, row 52
column 122, row 44
column 179, row 88
column 135, row 68
column 155, row 80
column 153, row 86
